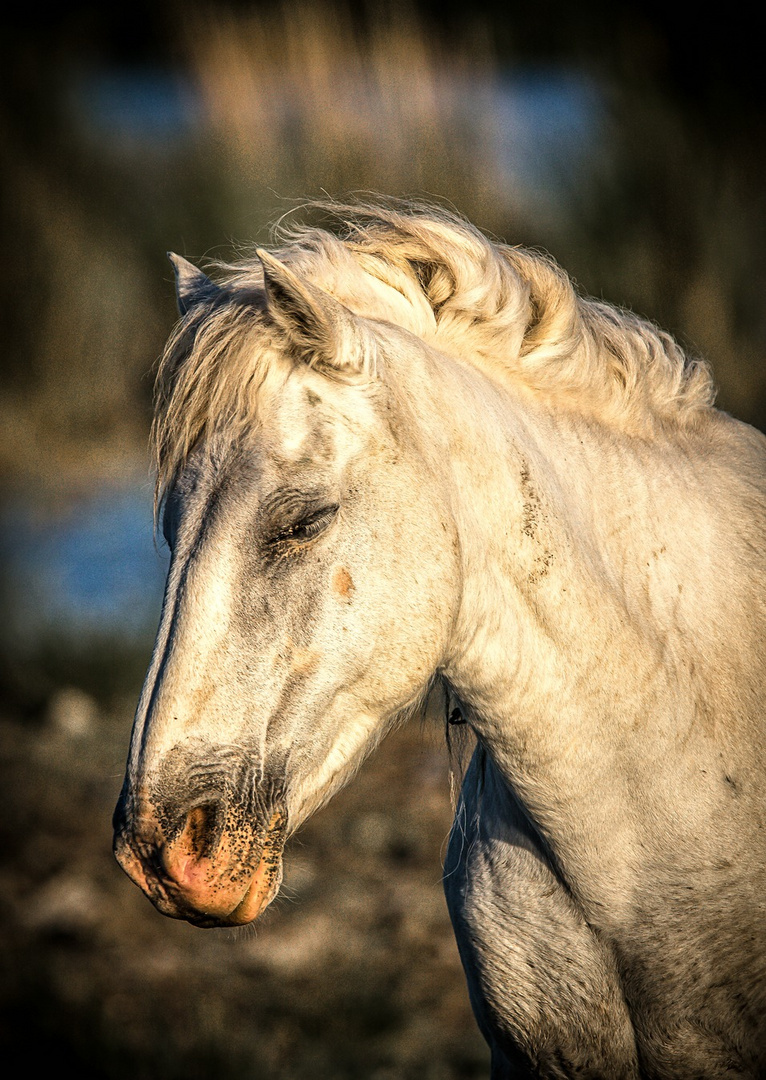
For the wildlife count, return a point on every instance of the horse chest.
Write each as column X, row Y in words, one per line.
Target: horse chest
column 557, row 997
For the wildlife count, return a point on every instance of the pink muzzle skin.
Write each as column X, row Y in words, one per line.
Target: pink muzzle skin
column 222, row 890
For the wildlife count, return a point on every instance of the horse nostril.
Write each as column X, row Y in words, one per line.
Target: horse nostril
column 191, row 862
column 200, row 834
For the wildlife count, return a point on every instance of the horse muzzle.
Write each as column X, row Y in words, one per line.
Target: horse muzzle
column 207, row 874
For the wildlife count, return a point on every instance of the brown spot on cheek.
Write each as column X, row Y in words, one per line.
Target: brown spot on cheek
column 342, row 585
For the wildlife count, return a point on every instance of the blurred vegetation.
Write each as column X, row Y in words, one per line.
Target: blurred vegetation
column 664, row 213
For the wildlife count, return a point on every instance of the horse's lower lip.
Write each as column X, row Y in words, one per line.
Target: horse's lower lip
column 220, row 888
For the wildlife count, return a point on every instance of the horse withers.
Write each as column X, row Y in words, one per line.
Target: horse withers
column 397, row 455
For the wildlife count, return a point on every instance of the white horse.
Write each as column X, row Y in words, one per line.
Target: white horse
column 404, row 455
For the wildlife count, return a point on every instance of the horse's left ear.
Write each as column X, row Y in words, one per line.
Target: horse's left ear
column 321, row 331
column 192, row 285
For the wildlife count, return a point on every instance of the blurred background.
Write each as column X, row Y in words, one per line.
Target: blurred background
column 624, row 138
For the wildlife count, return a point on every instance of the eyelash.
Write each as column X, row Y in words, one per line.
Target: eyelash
column 304, row 531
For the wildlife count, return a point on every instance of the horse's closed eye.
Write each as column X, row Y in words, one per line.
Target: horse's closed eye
column 306, row 529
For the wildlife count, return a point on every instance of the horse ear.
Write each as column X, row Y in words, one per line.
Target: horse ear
column 322, row 331
column 192, row 285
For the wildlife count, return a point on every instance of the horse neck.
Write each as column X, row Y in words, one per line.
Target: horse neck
column 531, row 490
column 608, row 644
column 560, row 666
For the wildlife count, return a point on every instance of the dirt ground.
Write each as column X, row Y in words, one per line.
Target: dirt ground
column 352, row 973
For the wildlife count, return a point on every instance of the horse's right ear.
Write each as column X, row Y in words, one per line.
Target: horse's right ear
column 321, row 330
column 192, row 285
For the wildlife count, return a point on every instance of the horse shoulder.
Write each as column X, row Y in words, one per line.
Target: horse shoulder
column 544, row 989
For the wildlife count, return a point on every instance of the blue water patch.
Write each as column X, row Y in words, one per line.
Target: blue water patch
column 144, row 105
column 551, row 120
column 90, row 567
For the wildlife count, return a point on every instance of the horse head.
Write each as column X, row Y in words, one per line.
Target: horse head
column 311, row 589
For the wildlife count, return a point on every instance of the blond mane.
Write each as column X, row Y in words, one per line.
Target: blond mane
column 511, row 312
